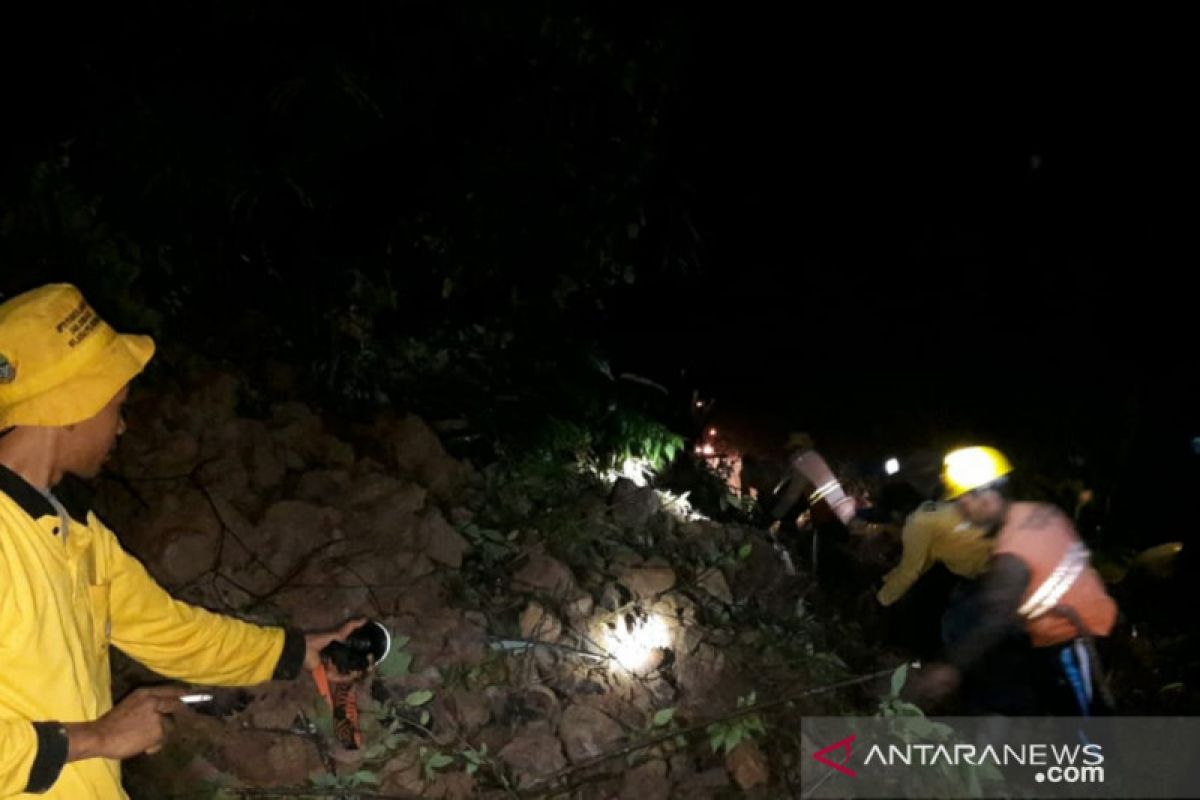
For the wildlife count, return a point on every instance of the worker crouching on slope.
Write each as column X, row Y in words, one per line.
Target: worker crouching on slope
column 1038, row 584
column 937, row 533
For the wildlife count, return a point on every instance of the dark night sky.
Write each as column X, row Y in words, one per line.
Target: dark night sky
column 981, row 239
column 911, row 229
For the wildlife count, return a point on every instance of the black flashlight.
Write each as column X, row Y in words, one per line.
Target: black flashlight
column 365, row 647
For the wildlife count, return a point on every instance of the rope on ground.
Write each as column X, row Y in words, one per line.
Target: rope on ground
column 700, row 726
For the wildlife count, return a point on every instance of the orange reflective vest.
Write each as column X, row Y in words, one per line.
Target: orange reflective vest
column 1065, row 597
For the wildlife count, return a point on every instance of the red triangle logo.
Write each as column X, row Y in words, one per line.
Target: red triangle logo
column 841, row 767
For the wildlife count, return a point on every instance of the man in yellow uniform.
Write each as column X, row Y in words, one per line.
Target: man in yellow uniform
column 936, row 532
column 68, row 591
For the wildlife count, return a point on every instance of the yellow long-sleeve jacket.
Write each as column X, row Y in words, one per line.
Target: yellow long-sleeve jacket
column 936, row 532
column 62, row 605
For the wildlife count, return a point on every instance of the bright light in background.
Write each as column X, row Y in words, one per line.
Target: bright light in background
column 637, row 470
column 699, row 404
column 705, row 449
column 891, row 466
column 678, row 506
column 712, row 431
column 633, row 646
column 641, row 472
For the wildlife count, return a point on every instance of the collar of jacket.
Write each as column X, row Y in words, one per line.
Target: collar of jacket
column 70, row 491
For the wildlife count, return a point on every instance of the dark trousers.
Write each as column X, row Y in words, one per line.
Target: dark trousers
column 1017, row 679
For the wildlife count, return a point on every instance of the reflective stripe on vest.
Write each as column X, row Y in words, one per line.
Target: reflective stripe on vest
column 825, row 491
column 1046, row 597
column 833, row 494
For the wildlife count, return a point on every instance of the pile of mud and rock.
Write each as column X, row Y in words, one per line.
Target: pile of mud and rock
column 594, row 646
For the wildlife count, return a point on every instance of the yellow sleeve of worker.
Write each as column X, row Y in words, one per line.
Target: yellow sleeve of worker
column 18, row 749
column 917, row 538
column 184, row 642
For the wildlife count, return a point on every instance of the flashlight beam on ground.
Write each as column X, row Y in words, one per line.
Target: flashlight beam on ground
column 632, row 646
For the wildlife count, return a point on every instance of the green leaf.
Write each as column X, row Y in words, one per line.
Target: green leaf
column 416, row 699
column 439, row 760
column 907, row 709
column 472, row 768
column 921, row 727
column 400, row 642
column 830, row 658
column 366, row 776
column 716, row 735
column 991, row 772
column 744, row 551
column 396, row 665
column 898, row 679
column 425, row 718
column 324, row 780
column 323, row 720
column 973, row 787
column 734, row 738
column 664, row 717
column 942, row 729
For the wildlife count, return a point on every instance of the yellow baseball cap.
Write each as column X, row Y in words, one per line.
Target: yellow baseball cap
column 59, row 362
